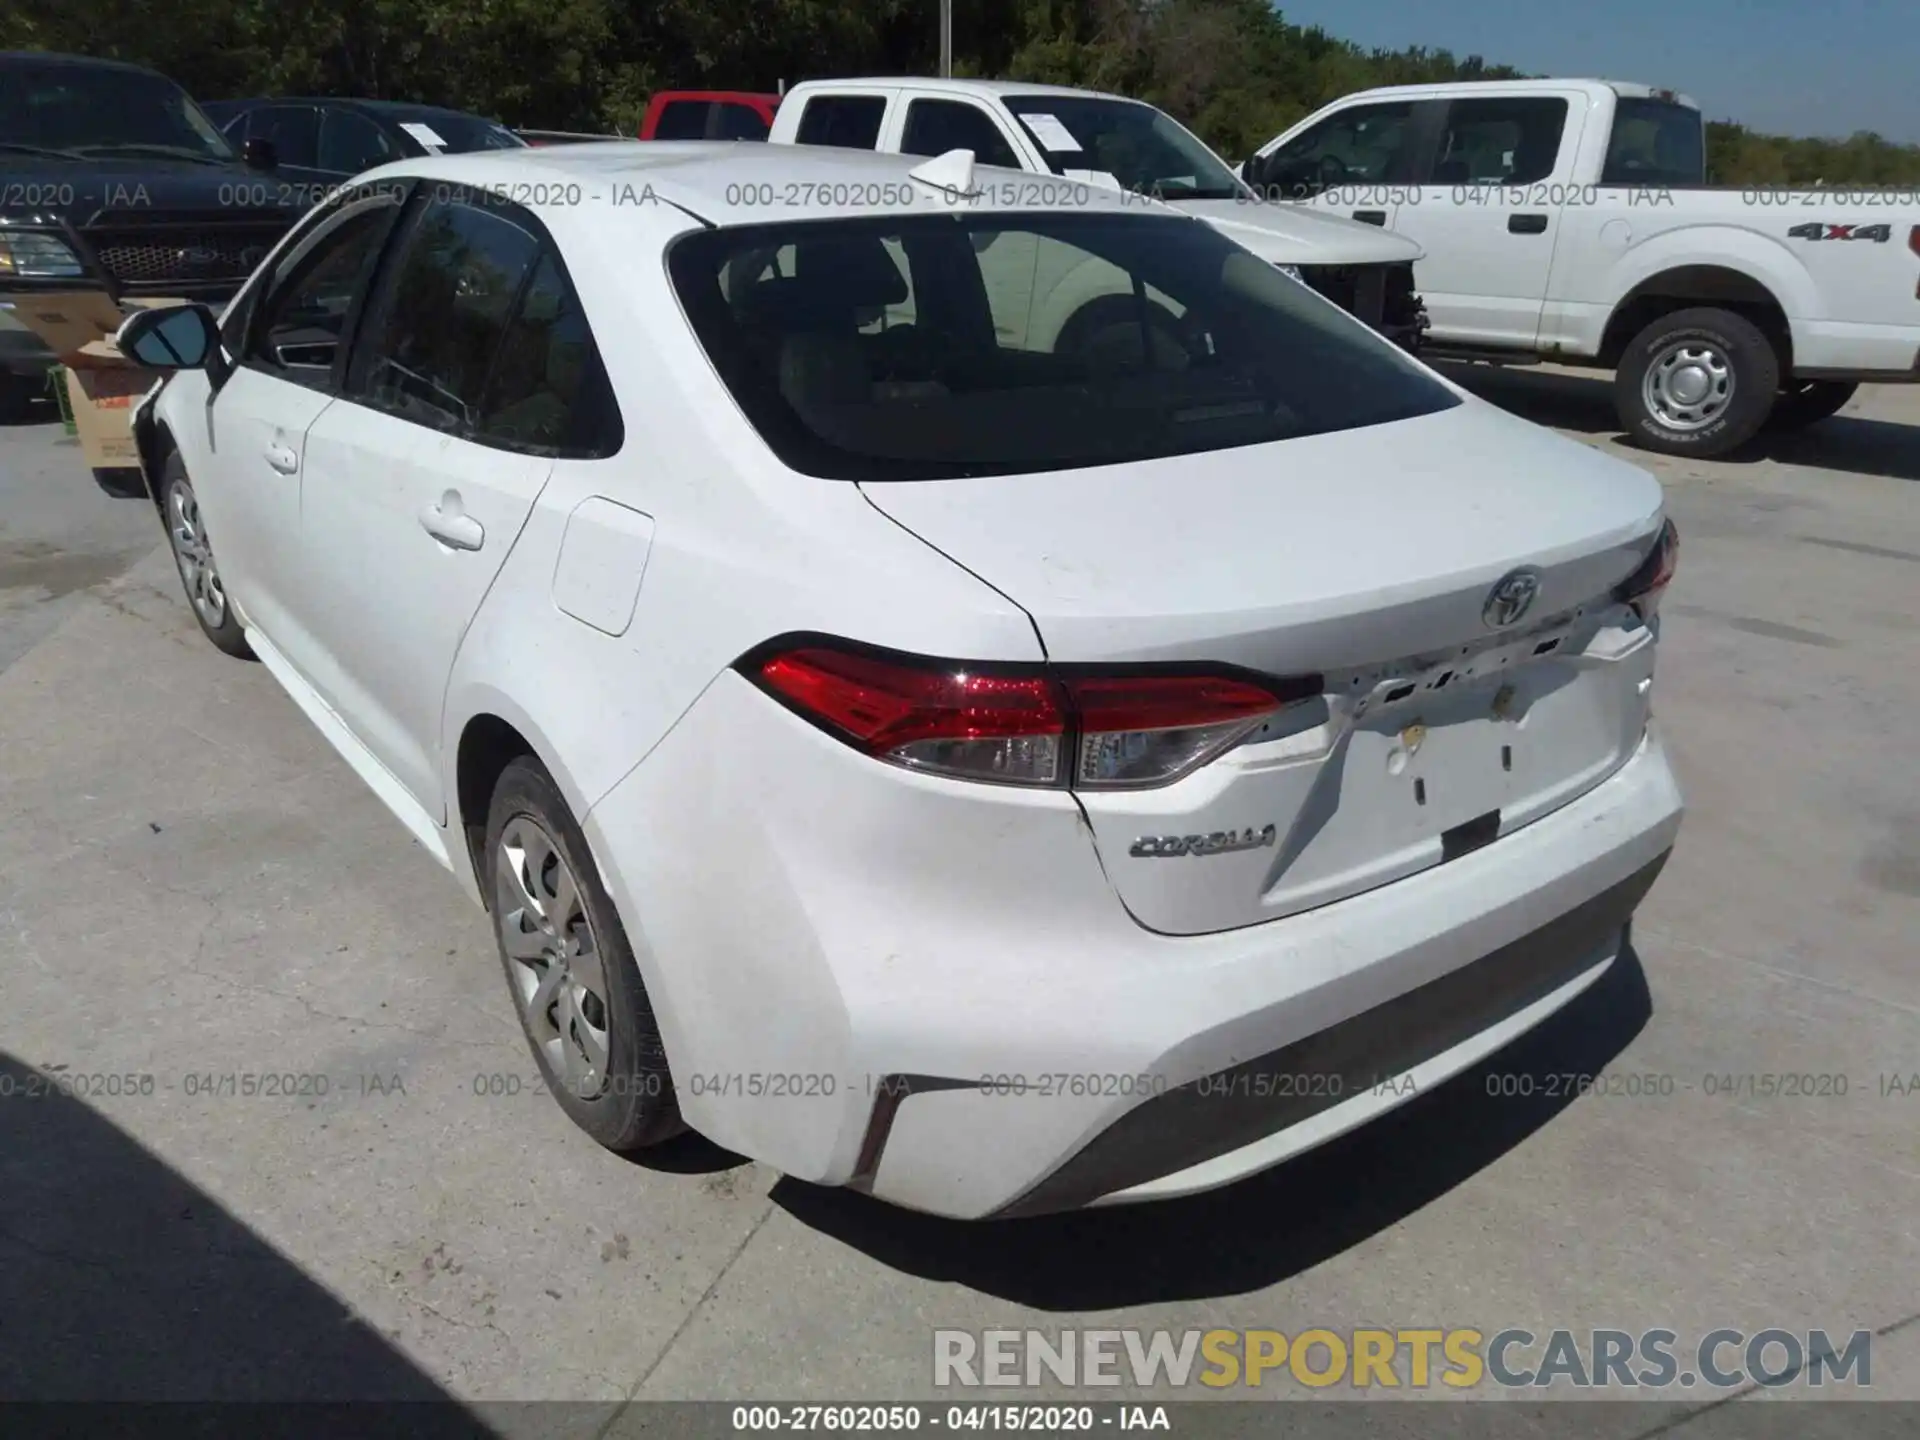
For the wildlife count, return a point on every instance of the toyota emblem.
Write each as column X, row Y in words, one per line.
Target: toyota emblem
column 1512, row 596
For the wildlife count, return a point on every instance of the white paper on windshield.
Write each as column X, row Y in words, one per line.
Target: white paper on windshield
column 425, row 134
column 1094, row 177
column 1048, row 130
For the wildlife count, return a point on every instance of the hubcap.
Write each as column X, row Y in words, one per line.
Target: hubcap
column 194, row 555
column 553, row 959
column 1688, row 386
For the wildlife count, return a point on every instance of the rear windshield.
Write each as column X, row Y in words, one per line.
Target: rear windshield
column 1655, row 142
column 923, row 347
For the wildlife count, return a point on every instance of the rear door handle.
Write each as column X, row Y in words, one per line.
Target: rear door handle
column 449, row 523
column 282, row 458
column 1527, row 224
column 1371, row 217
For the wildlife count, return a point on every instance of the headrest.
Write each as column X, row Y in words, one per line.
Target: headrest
column 856, row 268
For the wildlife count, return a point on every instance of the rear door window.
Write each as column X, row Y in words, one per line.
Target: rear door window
column 851, row 122
column 547, row 392
column 1512, row 140
column 444, row 303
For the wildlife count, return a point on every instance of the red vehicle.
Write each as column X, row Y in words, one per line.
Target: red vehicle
column 708, row 115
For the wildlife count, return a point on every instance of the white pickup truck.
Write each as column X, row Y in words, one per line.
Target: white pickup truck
column 1570, row 220
column 1076, row 138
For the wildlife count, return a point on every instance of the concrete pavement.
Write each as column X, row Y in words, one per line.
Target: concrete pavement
column 193, row 886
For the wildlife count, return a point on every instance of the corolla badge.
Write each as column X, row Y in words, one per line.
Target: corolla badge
column 1512, row 596
column 1166, row 847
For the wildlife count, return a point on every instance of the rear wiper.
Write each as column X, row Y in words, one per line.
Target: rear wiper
column 17, row 148
column 135, row 148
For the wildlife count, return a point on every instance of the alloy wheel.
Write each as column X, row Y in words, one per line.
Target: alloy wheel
column 553, row 958
column 193, row 553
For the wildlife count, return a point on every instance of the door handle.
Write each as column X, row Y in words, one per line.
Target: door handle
column 449, row 523
column 1527, row 224
column 1371, row 217
column 282, row 458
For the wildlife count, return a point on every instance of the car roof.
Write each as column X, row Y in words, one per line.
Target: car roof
column 351, row 102
column 1626, row 89
column 81, row 62
column 747, row 182
column 922, row 83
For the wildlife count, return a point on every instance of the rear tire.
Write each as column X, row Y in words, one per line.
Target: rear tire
column 1807, row 402
column 1696, row 382
column 193, row 558
column 570, row 968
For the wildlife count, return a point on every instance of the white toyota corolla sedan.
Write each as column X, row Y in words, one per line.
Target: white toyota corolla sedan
column 999, row 767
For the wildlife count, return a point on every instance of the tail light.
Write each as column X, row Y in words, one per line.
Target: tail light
column 1022, row 724
column 1913, row 239
column 1645, row 586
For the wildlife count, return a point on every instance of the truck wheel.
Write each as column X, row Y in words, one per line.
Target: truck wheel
column 1808, row 402
column 1696, row 382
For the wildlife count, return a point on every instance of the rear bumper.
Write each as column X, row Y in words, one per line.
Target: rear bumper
column 870, row 977
column 1252, row 1115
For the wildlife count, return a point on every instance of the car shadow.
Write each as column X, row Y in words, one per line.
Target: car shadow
column 1270, row 1226
column 122, row 1281
column 1856, row 444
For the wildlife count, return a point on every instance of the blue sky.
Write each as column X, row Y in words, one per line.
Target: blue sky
column 1795, row 67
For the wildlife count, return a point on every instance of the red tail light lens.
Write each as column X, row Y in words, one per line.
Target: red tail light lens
column 1913, row 239
column 1645, row 586
column 1006, row 727
column 1019, row 725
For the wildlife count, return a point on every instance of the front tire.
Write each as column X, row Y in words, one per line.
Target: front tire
column 570, row 968
column 1808, row 402
column 193, row 558
column 1696, row 382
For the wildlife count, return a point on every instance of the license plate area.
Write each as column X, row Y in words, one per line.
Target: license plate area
column 1426, row 777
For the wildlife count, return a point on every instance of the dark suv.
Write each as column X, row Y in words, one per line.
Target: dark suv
column 111, row 177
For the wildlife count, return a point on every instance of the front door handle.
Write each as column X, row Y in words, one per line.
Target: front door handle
column 1371, row 217
column 449, row 523
column 282, row 458
column 1527, row 224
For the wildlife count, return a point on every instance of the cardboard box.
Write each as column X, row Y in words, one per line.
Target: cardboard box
column 102, row 385
column 67, row 320
column 103, row 398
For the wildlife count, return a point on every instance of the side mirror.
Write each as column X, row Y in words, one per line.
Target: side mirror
column 259, row 154
column 174, row 337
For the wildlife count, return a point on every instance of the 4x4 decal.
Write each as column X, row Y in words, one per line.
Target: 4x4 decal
column 1818, row 230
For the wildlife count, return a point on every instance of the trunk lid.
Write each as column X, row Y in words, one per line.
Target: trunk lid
column 1367, row 557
